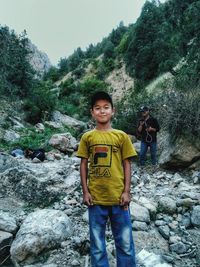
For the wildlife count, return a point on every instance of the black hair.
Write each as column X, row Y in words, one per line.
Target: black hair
column 101, row 95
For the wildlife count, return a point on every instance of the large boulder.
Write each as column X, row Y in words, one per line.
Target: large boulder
column 41, row 230
column 38, row 184
column 181, row 154
column 64, row 142
column 67, row 121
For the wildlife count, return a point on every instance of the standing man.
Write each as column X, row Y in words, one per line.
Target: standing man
column 148, row 128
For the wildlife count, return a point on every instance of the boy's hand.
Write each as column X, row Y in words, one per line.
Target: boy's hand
column 87, row 199
column 125, row 199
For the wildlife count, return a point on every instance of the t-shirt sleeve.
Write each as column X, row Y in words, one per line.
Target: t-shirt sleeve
column 128, row 150
column 83, row 148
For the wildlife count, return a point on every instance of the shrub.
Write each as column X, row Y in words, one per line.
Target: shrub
column 40, row 103
column 180, row 113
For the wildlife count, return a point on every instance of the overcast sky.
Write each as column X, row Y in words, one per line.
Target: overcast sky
column 58, row 27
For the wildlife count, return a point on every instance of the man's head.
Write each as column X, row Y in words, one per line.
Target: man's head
column 144, row 111
column 101, row 95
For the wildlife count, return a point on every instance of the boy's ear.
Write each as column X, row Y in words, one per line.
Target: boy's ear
column 91, row 111
column 113, row 111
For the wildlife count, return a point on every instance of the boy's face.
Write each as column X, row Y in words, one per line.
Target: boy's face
column 102, row 111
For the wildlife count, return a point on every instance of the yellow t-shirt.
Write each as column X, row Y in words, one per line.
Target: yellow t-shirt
column 105, row 151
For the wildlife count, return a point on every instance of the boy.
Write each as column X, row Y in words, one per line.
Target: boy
column 108, row 192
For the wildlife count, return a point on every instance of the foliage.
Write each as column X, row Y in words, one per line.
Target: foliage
column 40, row 103
column 52, row 75
column 31, row 138
column 179, row 113
column 87, row 88
column 16, row 74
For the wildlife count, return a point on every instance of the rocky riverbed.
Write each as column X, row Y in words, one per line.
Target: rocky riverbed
column 44, row 224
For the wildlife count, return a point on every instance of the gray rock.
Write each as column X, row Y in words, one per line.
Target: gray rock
column 186, row 221
column 7, row 222
column 151, row 259
column 41, row 230
column 164, row 231
column 160, row 223
column 167, row 205
column 140, row 226
column 195, row 217
column 6, row 162
column 5, row 243
column 11, row 136
column 179, row 248
column 139, row 213
column 64, row 142
column 186, row 202
column 67, row 121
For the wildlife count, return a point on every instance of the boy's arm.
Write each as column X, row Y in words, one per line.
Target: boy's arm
column 87, row 198
column 125, row 197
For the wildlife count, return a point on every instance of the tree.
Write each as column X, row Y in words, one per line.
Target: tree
column 16, row 73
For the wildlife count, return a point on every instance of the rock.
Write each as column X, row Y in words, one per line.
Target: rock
column 181, row 154
column 64, row 142
column 75, row 263
column 67, row 121
column 190, row 194
column 38, row 60
column 11, row 136
column 72, row 179
column 179, row 248
column 167, row 205
column 5, row 243
column 7, row 222
column 174, row 239
column 53, row 124
column 186, row 202
column 36, row 184
column 139, row 213
column 140, row 226
column 195, row 217
column 40, row 127
column 150, row 205
column 151, row 259
column 164, row 231
column 7, row 161
column 41, row 230
column 186, row 220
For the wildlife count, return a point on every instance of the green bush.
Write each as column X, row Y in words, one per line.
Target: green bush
column 40, row 103
column 179, row 113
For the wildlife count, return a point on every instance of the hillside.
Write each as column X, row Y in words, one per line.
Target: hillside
column 153, row 62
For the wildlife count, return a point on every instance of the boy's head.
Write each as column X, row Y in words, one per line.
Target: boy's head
column 101, row 95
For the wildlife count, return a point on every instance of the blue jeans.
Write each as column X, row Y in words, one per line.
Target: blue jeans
column 122, row 233
column 143, row 152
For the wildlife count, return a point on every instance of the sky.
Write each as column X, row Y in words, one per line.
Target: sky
column 58, row 27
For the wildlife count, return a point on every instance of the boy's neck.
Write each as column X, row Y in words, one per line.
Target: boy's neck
column 103, row 127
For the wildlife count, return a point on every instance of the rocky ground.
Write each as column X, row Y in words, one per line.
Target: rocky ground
column 44, row 223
